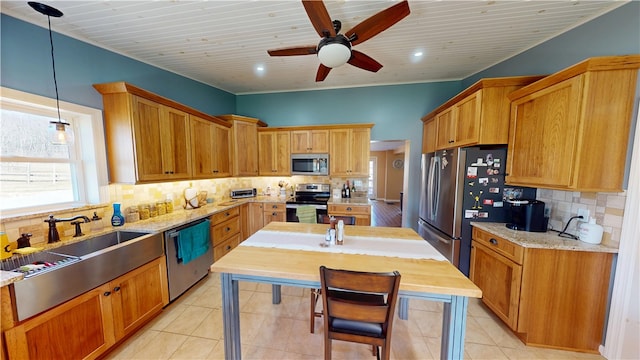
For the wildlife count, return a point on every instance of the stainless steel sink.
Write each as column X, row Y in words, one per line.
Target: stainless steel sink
column 97, row 261
column 97, row 243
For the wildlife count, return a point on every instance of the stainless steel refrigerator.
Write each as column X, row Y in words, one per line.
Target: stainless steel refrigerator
column 459, row 186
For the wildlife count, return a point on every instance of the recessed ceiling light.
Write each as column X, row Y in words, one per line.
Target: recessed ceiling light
column 418, row 53
column 259, row 70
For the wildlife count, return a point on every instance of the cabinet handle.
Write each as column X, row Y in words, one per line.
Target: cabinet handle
column 107, row 293
column 227, row 229
column 274, row 213
column 274, row 206
column 349, row 209
column 493, row 241
column 116, row 289
column 228, row 247
column 451, row 141
column 227, row 214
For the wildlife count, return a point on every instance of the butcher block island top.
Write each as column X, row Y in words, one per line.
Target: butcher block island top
column 422, row 275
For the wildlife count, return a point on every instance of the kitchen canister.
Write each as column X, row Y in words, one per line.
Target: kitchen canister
column 590, row 232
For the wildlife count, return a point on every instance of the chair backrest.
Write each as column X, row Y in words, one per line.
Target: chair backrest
column 326, row 219
column 361, row 284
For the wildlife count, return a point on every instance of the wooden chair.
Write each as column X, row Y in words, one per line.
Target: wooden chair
column 359, row 307
column 316, row 293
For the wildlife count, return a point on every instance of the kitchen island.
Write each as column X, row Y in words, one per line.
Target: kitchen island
column 421, row 278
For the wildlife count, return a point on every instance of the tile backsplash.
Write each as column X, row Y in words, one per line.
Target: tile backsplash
column 606, row 208
column 133, row 195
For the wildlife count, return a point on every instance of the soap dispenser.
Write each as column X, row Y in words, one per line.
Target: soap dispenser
column 117, row 219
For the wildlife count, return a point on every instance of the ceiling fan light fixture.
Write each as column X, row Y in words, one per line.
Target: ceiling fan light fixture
column 334, row 52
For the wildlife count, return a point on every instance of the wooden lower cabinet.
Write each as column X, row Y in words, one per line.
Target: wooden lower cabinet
column 256, row 217
column 225, row 231
column 88, row 325
column 362, row 213
column 549, row 297
column 274, row 212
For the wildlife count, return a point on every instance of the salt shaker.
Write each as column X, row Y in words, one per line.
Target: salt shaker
column 327, row 238
column 340, row 232
column 332, row 236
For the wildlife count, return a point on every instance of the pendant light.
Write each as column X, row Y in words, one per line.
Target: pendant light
column 59, row 134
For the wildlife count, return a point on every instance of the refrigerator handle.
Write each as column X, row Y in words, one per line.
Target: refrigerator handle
column 433, row 193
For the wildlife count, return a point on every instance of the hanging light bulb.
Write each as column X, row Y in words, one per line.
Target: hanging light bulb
column 58, row 132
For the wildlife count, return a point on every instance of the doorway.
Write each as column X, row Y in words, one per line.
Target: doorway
column 387, row 181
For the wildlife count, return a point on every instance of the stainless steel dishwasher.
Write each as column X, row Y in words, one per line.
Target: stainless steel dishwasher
column 183, row 273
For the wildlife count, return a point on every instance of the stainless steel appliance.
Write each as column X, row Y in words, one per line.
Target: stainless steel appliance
column 310, row 164
column 183, row 274
column 459, row 186
column 243, row 193
column 309, row 194
column 527, row 215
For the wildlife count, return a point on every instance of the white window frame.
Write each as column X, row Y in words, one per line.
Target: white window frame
column 88, row 153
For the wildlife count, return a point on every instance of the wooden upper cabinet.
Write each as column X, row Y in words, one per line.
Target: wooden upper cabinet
column 148, row 137
column 349, row 151
column 244, row 140
column 570, row 130
column 429, row 136
column 274, row 153
column 210, row 150
column 309, row 141
column 479, row 115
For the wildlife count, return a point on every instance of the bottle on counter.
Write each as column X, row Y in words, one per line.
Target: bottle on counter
column 117, row 219
column 353, row 188
column 347, row 190
column 344, row 191
column 340, row 233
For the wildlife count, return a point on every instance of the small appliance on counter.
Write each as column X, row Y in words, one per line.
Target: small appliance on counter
column 243, row 193
column 527, row 215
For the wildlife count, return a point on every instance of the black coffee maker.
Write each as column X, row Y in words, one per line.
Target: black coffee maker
column 526, row 215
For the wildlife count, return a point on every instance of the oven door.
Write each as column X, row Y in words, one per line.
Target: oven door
column 321, row 209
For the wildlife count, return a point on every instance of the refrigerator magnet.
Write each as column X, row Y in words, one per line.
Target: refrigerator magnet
column 472, row 172
column 483, row 215
column 483, row 181
column 487, row 202
column 498, row 204
column 470, row 214
column 494, row 190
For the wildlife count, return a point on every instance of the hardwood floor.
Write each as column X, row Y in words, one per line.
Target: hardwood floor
column 385, row 214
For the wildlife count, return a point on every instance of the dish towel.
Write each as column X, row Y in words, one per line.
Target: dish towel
column 193, row 242
column 307, row 214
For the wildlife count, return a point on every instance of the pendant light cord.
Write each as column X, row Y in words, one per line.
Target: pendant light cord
column 53, row 64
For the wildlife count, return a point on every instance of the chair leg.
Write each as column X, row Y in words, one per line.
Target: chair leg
column 327, row 348
column 312, row 306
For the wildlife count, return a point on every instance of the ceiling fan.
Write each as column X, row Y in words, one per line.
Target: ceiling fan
column 334, row 48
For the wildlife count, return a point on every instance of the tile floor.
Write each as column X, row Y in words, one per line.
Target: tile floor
column 191, row 328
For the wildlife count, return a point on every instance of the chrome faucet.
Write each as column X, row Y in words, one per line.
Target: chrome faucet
column 53, row 231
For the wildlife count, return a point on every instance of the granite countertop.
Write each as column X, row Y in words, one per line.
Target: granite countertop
column 153, row 225
column 546, row 240
column 353, row 200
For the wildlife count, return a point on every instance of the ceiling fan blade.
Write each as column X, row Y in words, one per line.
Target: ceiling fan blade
column 323, row 71
column 363, row 61
column 379, row 22
column 298, row 50
column 319, row 17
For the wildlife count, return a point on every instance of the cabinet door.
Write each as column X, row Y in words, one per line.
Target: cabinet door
column 274, row 153
column 309, row 141
column 81, row 328
column 256, row 220
column 499, row 279
column 349, row 152
column 446, row 128
column 221, row 150
column 245, row 222
column 274, row 212
column 340, row 152
column 429, row 136
column 138, row 295
column 245, row 154
column 175, row 143
column 202, row 145
column 360, row 152
column 468, row 122
column 543, row 136
column 148, row 139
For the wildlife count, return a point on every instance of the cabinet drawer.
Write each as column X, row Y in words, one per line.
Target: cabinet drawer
column 225, row 247
column 217, row 218
column 501, row 246
column 224, row 230
column 349, row 209
column 271, row 207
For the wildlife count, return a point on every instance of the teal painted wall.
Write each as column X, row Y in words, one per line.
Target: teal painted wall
column 25, row 65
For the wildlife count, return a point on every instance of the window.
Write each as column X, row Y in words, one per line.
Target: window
column 36, row 175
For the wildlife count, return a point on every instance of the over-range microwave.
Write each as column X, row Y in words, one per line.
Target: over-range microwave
column 310, row 164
